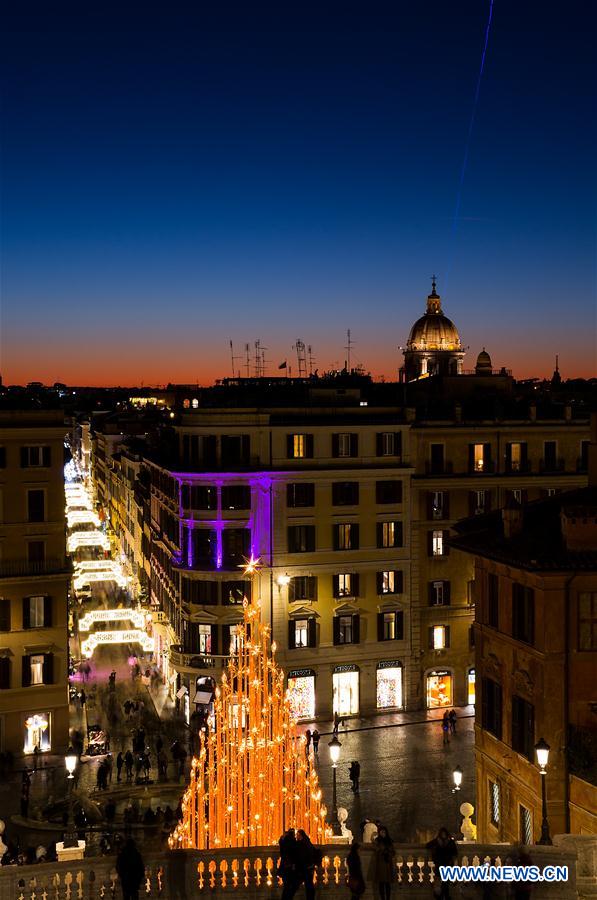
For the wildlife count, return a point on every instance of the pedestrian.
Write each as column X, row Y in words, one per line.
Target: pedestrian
column 443, row 853
column 452, row 719
column 146, row 766
column 128, row 764
column 315, row 738
column 308, row 857
column 83, row 698
column 119, row 765
column 109, row 764
column 308, row 738
column 35, row 757
column 158, row 743
column 446, row 728
column 162, row 766
column 336, row 723
column 355, row 880
column 355, row 773
column 131, row 870
column 287, row 864
column 138, row 767
column 382, row 869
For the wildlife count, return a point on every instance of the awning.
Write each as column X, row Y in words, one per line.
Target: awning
column 182, row 691
column 203, row 697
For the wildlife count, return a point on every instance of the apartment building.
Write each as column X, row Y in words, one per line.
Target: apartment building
column 34, row 580
column 536, row 655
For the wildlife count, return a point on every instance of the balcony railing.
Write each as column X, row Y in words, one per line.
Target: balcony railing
column 251, row 872
column 200, row 661
column 443, row 468
column 14, row 568
column 551, row 466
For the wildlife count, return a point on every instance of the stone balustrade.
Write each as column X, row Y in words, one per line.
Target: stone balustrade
column 248, row 872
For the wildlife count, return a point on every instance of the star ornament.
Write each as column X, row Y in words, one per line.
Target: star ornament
column 251, row 566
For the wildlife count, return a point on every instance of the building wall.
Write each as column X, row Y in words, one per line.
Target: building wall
column 21, row 578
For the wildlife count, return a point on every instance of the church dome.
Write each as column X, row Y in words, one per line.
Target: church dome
column 483, row 362
column 434, row 331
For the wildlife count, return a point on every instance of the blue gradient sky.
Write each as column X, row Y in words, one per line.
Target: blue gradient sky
column 174, row 180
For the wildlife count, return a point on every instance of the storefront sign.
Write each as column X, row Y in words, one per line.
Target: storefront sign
column 346, row 668
column 300, row 673
column 389, row 664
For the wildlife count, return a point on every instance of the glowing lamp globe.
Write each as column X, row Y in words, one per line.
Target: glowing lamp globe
column 70, row 760
column 457, row 776
column 542, row 749
column 334, row 746
column 283, row 580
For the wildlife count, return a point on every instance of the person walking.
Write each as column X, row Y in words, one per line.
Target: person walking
column 109, row 764
column 83, row 698
column 131, row 870
column 446, row 728
column 307, row 856
column 287, row 866
column 308, row 737
column 444, row 852
column 315, row 738
column 336, row 724
column 119, row 765
column 382, row 869
column 452, row 720
column 354, row 774
column 128, row 763
column 355, row 879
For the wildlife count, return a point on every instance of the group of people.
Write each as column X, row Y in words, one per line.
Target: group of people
column 298, row 859
column 312, row 737
column 448, row 725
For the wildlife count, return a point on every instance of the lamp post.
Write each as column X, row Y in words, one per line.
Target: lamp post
column 70, row 835
column 335, row 746
column 457, row 776
column 542, row 749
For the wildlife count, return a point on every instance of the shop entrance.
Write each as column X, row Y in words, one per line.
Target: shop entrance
column 301, row 693
column 389, row 685
column 346, row 692
column 439, row 689
column 471, row 687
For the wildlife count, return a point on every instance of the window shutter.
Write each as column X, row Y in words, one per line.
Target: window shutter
column 245, row 448
column 26, row 671
column 447, row 633
column 508, row 457
column 291, row 539
column 429, row 504
column 380, row 626
column 471, row 457
column 379, row 528
column 487, row 501
column 446, row 547
column 309, row 446
column 4, row 615
column 498, row 712
column 523, row 456
column 430, row 543
column 354, row 537
column 378, row 444
column 336, row 630
column 398, row 534
column 431, row 593
column 355, row 585
column 214, row 639
column 312, row 587
column 336, row 536
column 446, row 512
column 46, row 457
column 397, row 443
column 289, row 447
column 291, row 635
column 430, row 637
column 226, row 635
column 524, row 496
column 312, row 632
column 47, row 612
column 48, row 671
column 26, row 613
column 335, row 446
column 472, row 502
column 24, row 458
column 379, row 580
column 399, row 625
column 486, row 456
column 447, row 593
column 354, row 445
column 335, row 585
column 356, row 628
column 290, row 489
column 4, row 673
column 399, row 582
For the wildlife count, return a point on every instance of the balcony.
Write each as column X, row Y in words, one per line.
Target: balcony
column 251, row 871
column 518, row 468
column 551, row 466
column 486, row 468
column 17, row 568
column 439, row 468
column 195, row 662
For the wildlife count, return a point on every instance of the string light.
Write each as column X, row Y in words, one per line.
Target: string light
column 252, row 779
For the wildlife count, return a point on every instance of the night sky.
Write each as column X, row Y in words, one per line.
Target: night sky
column 175, row 179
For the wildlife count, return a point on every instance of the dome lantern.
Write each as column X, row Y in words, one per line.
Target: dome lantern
column 433, row 346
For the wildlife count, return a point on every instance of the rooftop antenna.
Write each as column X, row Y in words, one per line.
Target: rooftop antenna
column 233, row 359
column 248, row 359
column 349, row 346
column 300, row 355
column 311, row 359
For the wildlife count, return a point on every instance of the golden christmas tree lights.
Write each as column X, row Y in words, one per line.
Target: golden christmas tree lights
column 252, row 779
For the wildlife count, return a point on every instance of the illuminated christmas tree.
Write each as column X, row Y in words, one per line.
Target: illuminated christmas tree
column 252, row 779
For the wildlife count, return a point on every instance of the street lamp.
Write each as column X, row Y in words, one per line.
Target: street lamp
column 283, row 580
column 457, row 776
column 542, row 749
column 335, row 746
column 70, row 835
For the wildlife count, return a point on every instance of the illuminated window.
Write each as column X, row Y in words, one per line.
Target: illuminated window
column 301, row 695
column 36, row 612
column 391, row 626
column 471, row 687
column 235, row 638
column 439, row 637
column 346, row 536
column 515, row 456
column 345, row 700
column 479, row 457
column 437, row 504
column 204, row 635
column 494, row 803
column 389, row 686
column 186, row 404
column 525, row 830
column 37, row 732
column 195, row 404
column 439, row 690
column 301, row 632
column 390, row 582
column 37, row 669
column 345, row 585
column 437, row 543
column 438, row 595
column 389, row 534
